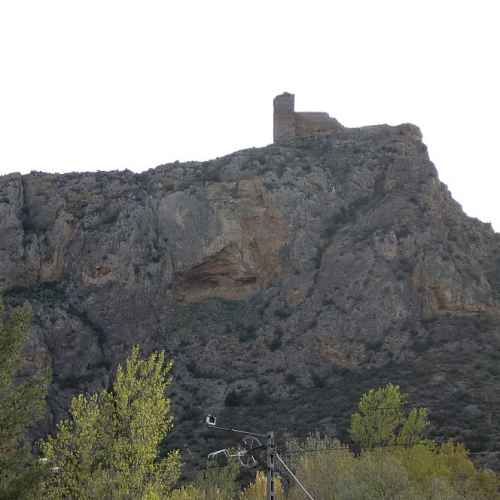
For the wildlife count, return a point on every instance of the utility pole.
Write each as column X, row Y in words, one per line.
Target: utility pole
column 271, row 455
column 245, row 454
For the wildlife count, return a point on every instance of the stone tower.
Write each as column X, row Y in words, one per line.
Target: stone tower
column 284, row 117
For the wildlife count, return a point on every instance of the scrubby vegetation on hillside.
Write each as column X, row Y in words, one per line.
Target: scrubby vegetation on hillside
column 110, row 447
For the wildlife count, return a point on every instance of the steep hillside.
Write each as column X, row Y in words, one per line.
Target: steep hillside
column 284, row 281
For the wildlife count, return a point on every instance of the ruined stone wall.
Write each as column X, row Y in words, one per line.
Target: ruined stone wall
column 307, row 124
column 289, row 124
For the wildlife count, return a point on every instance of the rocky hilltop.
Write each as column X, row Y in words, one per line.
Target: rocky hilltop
column 284, row 281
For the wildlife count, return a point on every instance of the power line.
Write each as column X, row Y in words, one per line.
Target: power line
column 344, row 448
column 335, row 449
column 427, row 406
column 432, row 409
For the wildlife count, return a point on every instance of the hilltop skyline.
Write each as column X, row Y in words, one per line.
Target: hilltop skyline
column 121, row 86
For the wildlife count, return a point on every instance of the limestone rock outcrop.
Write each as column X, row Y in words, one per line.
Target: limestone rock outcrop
column 284, row 281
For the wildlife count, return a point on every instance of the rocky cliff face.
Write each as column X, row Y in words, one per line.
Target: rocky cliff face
column 284, row 281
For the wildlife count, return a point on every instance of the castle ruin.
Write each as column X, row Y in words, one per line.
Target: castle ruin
column 289, row 124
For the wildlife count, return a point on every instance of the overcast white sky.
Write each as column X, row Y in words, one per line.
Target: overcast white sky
column 105, row 85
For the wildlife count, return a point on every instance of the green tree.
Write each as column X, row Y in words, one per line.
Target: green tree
column 381, row 419
column 109, row 447
column 22, row 402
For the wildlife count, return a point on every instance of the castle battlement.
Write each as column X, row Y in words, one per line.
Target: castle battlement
column 289, row 124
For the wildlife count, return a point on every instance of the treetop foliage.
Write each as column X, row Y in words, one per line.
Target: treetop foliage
column 381, row 419
column 109, row 447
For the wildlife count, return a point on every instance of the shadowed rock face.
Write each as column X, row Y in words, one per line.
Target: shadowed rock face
column 284, row 281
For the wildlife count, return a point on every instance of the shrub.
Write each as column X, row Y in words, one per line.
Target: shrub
column 318, row 380
column 233, row 398
column 275, row 344
column 257, row 490
column 218, row 483
column 423, row 471
column 247, row 334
